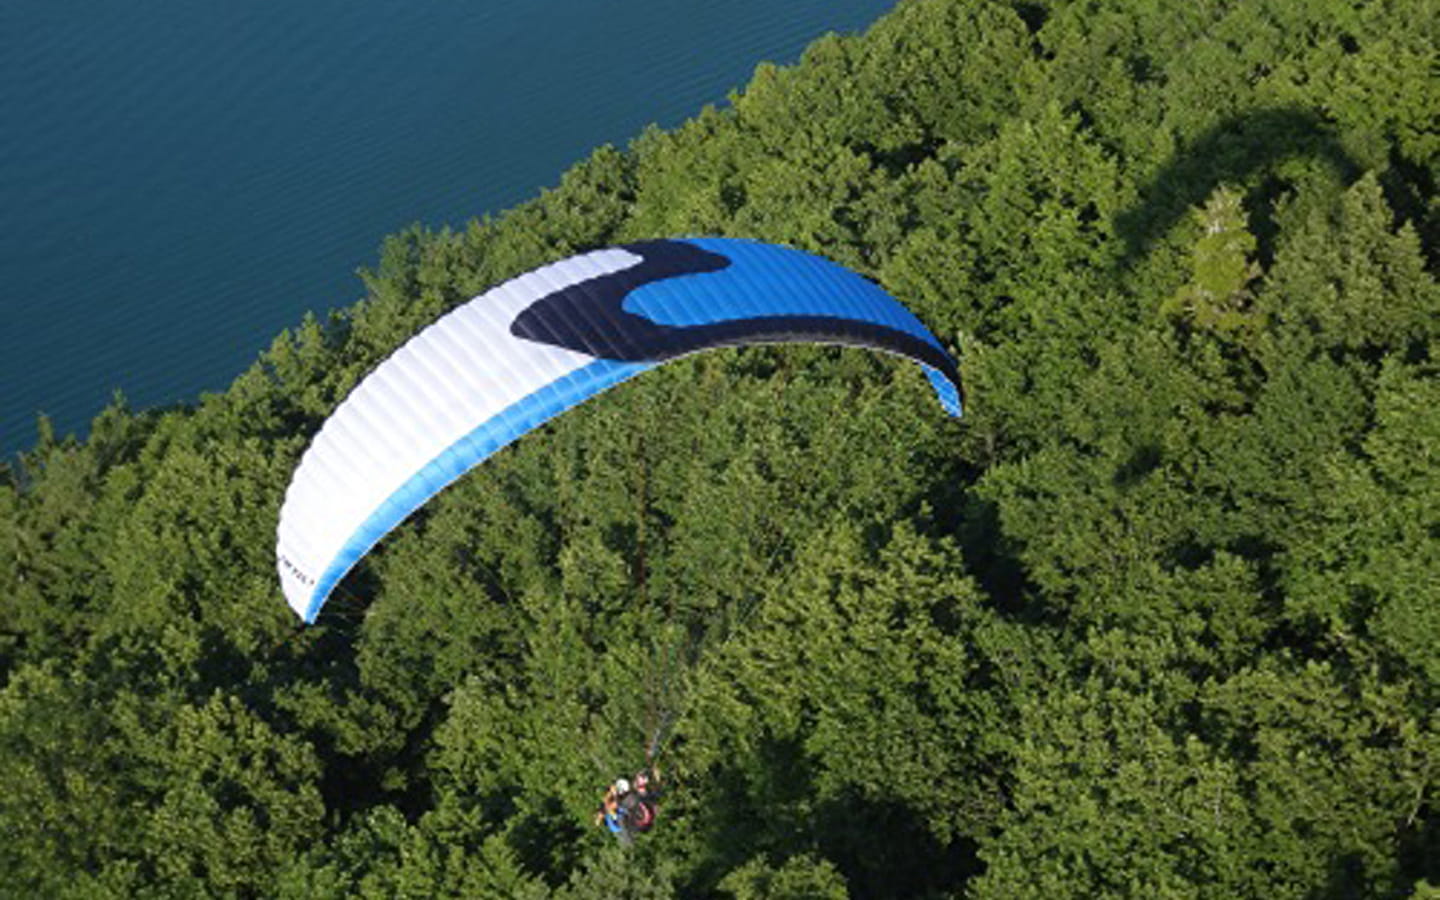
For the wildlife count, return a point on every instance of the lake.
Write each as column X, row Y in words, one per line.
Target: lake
column 180, row 181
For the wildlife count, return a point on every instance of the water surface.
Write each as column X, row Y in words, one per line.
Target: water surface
column 180, row 180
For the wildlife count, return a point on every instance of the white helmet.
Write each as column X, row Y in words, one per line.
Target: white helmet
column 622, row 786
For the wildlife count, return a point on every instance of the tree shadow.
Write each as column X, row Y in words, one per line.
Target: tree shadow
column 1418, row 841
column 1247, row 150
column 1239, row 150
column 882, row 847
column 993, row 560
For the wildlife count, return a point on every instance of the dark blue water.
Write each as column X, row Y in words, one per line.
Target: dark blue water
column 180, row 180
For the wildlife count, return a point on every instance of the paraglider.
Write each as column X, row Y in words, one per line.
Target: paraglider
column 629, row 808
column 519, row 354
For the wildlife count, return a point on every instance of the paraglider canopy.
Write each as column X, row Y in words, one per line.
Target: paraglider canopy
column 526, row 350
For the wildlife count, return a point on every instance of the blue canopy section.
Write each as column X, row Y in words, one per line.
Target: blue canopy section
column 766, row 281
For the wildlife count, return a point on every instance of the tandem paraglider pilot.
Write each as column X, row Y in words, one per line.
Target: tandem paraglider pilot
column 628, row 808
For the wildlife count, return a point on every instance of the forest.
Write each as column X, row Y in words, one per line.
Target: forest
column 1159, row 616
